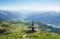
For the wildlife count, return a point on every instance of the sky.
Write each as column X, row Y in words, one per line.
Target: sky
column 36, row 5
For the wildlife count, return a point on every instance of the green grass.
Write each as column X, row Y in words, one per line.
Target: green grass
column 14, row 31
column 17, row 31
column 12, row 35
column 43, row 35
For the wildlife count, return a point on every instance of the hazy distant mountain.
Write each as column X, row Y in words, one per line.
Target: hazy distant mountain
column 45, row 17
column 49, row 28
column 50, row 17
column 9, row 15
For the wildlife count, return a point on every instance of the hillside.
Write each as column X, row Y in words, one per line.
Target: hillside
column 12, row 30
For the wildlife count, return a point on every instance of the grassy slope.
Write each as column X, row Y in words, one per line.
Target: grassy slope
column 12, row 36
column 15, row 31
column 43, row 35
column 18, row 30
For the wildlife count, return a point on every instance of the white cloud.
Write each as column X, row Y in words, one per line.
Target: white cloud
column 18, row 8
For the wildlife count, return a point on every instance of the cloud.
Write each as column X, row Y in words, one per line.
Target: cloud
column 36, row 8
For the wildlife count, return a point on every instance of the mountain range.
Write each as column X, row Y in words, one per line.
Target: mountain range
column 9, row 15
column 49, row 17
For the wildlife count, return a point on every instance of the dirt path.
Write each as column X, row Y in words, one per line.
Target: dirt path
column 24, row 36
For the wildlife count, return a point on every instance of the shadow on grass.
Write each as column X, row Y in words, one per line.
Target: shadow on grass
column 30, row 31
